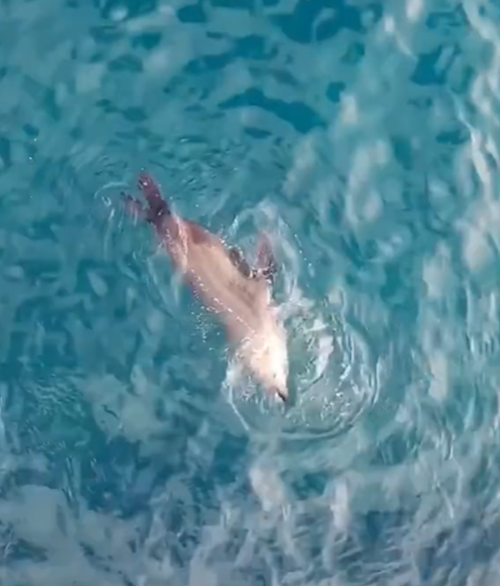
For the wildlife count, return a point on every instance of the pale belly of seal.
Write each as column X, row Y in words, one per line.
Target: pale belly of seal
column 240, row 302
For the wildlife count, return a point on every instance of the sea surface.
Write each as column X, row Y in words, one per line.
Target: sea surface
column 364, row 137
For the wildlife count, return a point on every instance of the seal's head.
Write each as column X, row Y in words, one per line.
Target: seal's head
column 267, row 358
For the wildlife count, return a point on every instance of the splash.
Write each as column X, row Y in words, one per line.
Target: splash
column 331, row 378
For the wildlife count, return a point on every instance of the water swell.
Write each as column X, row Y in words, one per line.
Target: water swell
column 363, row 137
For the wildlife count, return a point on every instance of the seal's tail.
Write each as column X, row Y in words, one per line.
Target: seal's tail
column 158, row 207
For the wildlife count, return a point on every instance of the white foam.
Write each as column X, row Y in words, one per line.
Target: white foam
column 437, row 273
column 268, row 487
column 477, row 252
column 439, row 365
column 304, row 162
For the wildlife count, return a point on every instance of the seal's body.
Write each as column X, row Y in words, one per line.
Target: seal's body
column 227, row 285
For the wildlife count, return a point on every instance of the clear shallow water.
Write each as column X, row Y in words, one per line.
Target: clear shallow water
column 365, row 136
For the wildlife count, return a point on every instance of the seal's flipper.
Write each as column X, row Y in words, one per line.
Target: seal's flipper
column 157, row 205
column 266, row 263
column 240, row 262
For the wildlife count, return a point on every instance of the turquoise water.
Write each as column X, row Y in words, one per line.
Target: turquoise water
column 364, row 136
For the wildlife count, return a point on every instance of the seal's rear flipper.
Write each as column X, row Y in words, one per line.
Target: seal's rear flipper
column 266, row 263
column 158, row 207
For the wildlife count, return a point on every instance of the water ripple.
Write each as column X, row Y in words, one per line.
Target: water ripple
column 363, row 136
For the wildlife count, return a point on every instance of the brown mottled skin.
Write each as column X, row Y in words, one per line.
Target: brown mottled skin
column 224, row 281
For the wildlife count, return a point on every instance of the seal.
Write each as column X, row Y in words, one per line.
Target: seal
column 220, row 276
